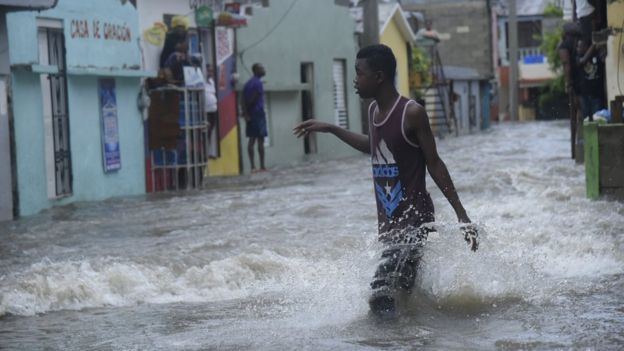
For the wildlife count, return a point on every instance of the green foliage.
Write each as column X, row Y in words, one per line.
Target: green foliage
column 550, row 42
column 554, row 90
column 420, row 62
column 556, row 87
column 419, row 71
column 552, row 10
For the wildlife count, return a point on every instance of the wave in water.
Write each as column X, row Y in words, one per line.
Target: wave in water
column 451, row 274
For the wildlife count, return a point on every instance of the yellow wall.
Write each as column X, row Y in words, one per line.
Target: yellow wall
column 615, row 58
column 227, row 164
column 393, row 38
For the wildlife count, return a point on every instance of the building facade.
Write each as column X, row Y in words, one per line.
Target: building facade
column 203, row 40
column 466, row 55
column 396, row 33
column 615, row 48
column 75, row 73
column 310, row 70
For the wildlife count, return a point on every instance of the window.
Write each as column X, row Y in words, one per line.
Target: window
column 340, row 94
column 55, row 111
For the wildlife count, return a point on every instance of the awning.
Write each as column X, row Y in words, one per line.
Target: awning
column 28, row 4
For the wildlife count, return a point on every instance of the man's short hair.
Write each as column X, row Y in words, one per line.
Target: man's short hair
column 379, row 57
column 255, row 67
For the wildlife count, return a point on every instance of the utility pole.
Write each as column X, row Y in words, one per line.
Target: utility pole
column 371, row 22
column 513, row 60
column 370, row 36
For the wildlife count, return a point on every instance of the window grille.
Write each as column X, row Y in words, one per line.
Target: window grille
column 52, row 44
column 340, row 94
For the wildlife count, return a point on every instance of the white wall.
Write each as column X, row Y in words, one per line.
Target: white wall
column 465, row 89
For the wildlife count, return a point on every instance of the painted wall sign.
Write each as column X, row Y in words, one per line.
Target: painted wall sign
column 111, row 152
column 204, row 16
column 83, row 29
column 224, row 44
column 98, row 34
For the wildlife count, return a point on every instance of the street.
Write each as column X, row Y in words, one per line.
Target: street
column 282, row 260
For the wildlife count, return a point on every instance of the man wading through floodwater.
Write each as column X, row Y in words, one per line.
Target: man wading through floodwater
column 402, row 148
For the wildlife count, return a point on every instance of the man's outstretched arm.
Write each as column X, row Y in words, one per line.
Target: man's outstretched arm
column 357, row 141
column 417, row 123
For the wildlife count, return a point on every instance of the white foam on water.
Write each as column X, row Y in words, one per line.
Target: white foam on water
column 539, row 236
column 51, row 286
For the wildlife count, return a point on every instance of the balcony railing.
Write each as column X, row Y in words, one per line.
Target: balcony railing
column 523, row 54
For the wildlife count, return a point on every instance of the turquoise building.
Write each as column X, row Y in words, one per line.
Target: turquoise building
column 75, row 73
column 308, row 49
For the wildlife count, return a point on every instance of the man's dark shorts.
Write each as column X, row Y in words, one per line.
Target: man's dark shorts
column 398, row 266
column 256, row 127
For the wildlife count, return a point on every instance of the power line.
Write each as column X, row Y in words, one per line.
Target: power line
column 242, row 52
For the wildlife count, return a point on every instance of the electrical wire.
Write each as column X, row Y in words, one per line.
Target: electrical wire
column 242, row 52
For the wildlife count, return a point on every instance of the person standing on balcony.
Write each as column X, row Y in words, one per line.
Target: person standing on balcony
column 255, row 117
column 427, row 36
column 178, row 32
column 402, row 149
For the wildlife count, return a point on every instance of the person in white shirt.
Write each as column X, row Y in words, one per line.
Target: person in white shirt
column 210, row 106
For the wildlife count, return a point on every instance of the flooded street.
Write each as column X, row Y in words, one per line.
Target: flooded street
column 283, row 260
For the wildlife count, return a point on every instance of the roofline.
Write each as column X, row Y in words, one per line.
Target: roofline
column 403, row 24
column 30, row 8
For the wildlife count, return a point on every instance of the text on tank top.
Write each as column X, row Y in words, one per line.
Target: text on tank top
column 399, row 171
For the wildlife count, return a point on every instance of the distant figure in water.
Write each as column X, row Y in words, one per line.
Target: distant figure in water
column 402, row 148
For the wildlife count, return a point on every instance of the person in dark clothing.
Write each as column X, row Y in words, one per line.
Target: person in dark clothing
column 402, row 149
column 253, row 111
column 591, row 77
column 567, row 55
column 173, row 37
column 174, row 66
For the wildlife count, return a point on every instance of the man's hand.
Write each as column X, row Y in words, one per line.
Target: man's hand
column 471, row 235
column 311, row 125
column 245, row 115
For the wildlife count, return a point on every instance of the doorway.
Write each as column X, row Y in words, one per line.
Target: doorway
column 55, row 110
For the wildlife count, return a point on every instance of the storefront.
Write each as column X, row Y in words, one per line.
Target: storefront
column 75, row 73
column 182, row 145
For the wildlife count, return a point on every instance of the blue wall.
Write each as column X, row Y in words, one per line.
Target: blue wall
column 83, row 50
column 116, row 58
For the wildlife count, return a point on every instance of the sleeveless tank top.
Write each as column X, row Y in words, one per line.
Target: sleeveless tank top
column 399, row 172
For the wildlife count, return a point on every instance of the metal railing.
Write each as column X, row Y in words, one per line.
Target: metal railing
column 524, row 53
column 184, row 166
column 441, row 86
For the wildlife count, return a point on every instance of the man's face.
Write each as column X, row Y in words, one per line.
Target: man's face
column 182, row 47
column 260, row 71
column 366, row 81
